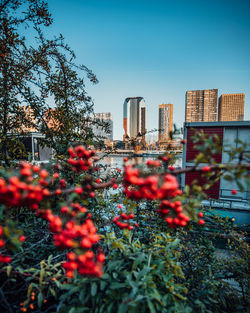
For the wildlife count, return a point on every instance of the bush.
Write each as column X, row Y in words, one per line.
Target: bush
column 152, row 253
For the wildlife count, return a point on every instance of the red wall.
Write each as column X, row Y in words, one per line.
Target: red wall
column 191, row 152
column 213, row 192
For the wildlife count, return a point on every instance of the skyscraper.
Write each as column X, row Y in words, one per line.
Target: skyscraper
column 201, row 105
column 231, row 107
column 134, row 117
column 99, row 131
column 165, row 122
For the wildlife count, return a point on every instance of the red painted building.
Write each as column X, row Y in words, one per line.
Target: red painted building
column 227, row 132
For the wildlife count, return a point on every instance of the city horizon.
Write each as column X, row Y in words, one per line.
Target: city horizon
column 155, row 134
column 157, row 49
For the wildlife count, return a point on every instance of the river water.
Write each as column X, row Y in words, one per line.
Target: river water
column 114, row 162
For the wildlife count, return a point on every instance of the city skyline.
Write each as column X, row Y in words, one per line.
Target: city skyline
column 200, row 106
column 157, row 49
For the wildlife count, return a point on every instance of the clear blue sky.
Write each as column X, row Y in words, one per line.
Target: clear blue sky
column 157, row 49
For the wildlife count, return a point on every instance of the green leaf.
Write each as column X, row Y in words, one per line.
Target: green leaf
column 241, row 187
column 40, row 299
column 228, row 177
column 53, row 292
column 143, row 272
column 123, row 308
column 186, row 189
column 50, row 258
column 93, row 289
column 29, row 290
column 116, row 286
column 103, row 284
column 9, row 268
column 42, row 274
column 151, row 306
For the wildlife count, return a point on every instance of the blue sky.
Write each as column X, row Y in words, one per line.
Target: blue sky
column 158, row 50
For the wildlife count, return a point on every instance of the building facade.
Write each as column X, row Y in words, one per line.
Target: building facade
column 99, row 130
column 165, row 122
column 231, row 107
column 229, row 133
column 201, row 105
column 134, row 118
column 28, row 116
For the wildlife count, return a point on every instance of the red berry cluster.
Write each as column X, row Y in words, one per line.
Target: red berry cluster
column 74, row 229
column 73, row 209
column 171, row 168
column 20, row 190
column 86, row 264
column 7, row 259
column 3, row 259
column 78, row 236
column 164, row 159
column 119, row 221
column 151, row 187
column 206, row 168
column 81, row 159
column 154, row 163
column 201, row 221
column 173, row 214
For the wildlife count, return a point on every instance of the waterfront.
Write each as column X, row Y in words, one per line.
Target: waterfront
column 116, row 161
column 239, row 210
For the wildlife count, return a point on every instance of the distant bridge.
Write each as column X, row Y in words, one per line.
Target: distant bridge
column 149, row 153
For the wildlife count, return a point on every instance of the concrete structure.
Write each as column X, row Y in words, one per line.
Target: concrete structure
column 221, row 199
column 201, row 105
column 134, row 118
column 231, row 107
column 35, row 151
column 99, row 130
column 228, row 132
column 165, row 122
column 31, row 121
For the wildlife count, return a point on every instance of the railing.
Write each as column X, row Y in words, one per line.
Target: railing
column 226, row 199
column 226, row 194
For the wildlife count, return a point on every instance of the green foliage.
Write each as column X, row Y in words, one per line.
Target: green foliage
column 138, row 278
column 32, row 76
column 184, row 271
column 17, row 64
column 215, row 265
